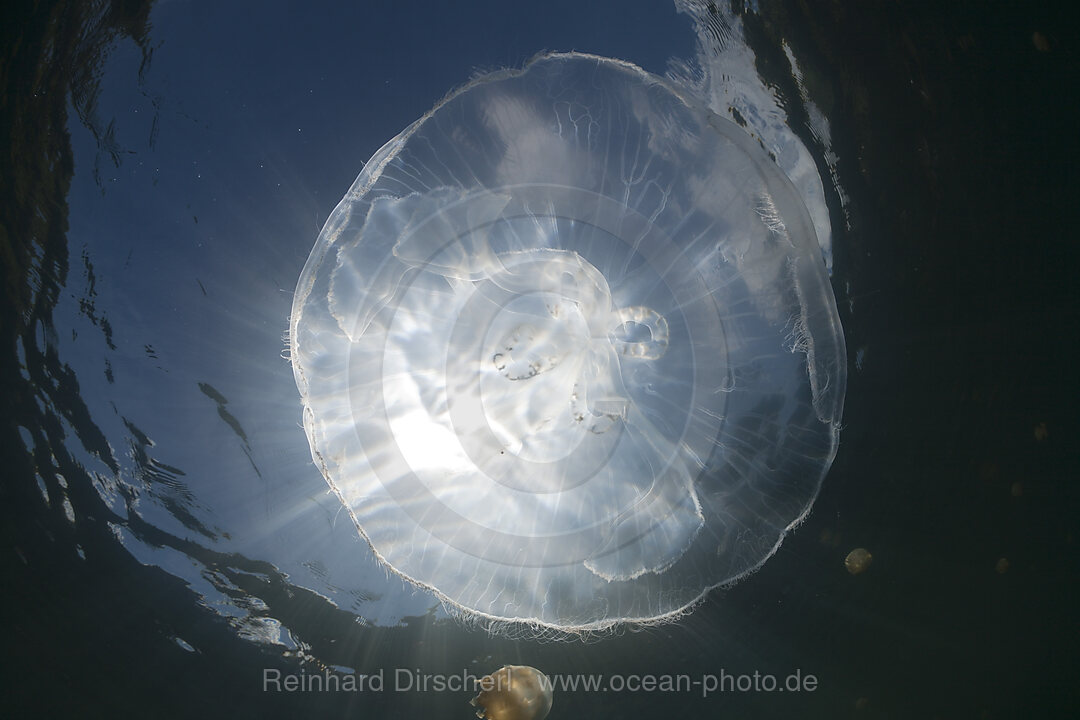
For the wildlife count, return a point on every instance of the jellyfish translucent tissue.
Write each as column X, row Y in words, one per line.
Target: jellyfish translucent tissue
column 567, row 349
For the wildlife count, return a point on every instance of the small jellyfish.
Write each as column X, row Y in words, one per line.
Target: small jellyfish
column 514, row 692
column 858, row 560
column 568, row 351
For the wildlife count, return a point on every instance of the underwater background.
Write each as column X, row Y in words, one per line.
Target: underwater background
column 167, row 540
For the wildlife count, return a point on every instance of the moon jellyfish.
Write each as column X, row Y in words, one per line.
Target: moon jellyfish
column 514, row 692
column 567, row 349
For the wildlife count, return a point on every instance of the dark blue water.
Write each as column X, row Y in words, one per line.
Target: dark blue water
column 167, row 541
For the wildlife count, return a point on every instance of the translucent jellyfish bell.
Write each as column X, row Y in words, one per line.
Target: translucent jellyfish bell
column 568, row 351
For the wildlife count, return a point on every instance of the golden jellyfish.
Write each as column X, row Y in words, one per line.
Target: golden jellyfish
column 858, row 560
column 514, row 692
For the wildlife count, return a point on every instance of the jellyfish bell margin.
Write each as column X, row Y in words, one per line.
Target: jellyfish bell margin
column 568, row 352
